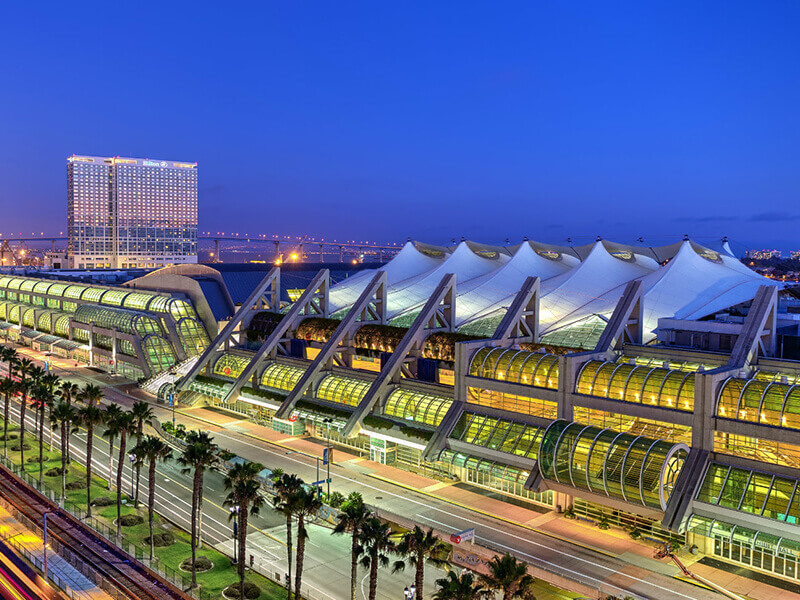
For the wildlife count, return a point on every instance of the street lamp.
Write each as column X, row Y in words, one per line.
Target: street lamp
column 45, row 546
column 235, row 511
column 328, row 422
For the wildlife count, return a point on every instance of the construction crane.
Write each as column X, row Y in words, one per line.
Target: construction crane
column 665, row 551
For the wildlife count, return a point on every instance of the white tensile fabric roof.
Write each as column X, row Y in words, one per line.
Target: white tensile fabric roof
column 684, row 280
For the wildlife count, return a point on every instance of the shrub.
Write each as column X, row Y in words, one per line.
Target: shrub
column 162, row 540
column 377, row 422
column 54, row 472
column 131, row 520
column 79, row 484
column 15, row 447
column 251, row 591
column 103, row 501
column 569, row 513
column 226, row 455
column 335, row 499
column 11, row 436
column 35, row 459
column 635, row 533
column 201, row 564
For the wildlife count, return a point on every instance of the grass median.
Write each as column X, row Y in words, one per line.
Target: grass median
column 211, row 582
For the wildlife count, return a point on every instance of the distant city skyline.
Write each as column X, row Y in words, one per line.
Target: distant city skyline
column 383, row 122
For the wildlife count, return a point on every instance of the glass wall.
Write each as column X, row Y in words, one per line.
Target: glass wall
column 415, row 406
column 504, row 435
column 343, row 390
column 231, row 365
column 762, row 494
column 661, row 430
column 760, row 401
column 491, row 475
column 766, row 451
column 755, row 549
column 513, row 403
column 516, row 366
column 628, row 382
column 281, row 377
column 633, row 468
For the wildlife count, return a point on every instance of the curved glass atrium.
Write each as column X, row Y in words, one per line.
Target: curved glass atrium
column 760, row 401
column 628, row 467
column 516, row 366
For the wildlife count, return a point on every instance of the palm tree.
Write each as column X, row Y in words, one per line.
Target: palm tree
column 66, row 391
column 416, row 547
column 510, row 575
column 354, row 514
column 199, row 454
column 112, row 412
column 306, row 503
column 142, row 415
column 63, row 415
column 454, row 587
column 90, row 416
column 90, row 394
column 45, row 399
column 9, row 355
column 244, row 499
column 375, row 545
column 25, row 368
column 286, row 487
column 124, row 424
column 8, row 387
column 150, row 450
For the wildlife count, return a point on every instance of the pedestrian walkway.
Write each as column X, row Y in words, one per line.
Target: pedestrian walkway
column 31, row 547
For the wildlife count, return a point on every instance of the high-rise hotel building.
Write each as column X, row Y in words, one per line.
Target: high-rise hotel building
column 131, row 212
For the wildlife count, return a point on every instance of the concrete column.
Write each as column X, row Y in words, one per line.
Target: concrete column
column 216, row 251
column 341, row 254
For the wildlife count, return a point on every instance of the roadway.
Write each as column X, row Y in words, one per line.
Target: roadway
column 327, row 562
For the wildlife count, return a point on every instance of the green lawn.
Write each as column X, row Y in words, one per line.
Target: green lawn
column 212, row 582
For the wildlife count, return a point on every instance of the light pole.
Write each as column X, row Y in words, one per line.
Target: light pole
column 328, row 422
column 235, row 512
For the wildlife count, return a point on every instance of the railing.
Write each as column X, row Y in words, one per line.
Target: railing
column 171, row 375
column 174, row 576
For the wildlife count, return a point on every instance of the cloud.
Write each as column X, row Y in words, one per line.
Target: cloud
column 775, row 216
column 715, row 219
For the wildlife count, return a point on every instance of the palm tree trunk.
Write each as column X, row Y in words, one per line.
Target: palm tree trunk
column 151, row 501
column 5, row 427
column 301, row 549
column 63, row 459
column 373, row 575
column 22, row 411
column 242, row 547
column 41, row 444
column 419, row 580
column 196, row 487
column 138, row 472
column 120, row 464
column 110, row 460
column 200, row 516
column 289, row 550
column 89, row 440
column 353, row 565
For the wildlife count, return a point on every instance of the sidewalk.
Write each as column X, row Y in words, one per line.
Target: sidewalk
column 614, row 542
column 30, row 545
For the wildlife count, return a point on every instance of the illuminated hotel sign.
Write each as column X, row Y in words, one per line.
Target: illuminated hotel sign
column 80, row 159
column 154, row 163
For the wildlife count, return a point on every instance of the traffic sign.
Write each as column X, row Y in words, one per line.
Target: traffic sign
column 321, row 481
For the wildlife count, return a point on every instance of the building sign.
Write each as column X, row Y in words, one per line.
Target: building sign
column 154, row 163
column 463, row 536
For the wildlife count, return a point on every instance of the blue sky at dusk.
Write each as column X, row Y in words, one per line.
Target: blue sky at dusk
column 383, row 120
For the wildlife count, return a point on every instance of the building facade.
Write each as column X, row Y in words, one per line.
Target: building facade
column 131, row 212
column 698, row 447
